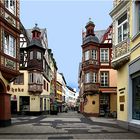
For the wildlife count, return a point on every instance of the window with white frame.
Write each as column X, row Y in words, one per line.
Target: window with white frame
column 10, row 5
column 122, row 28
column 104, row 55
column 136, row 20
column 87, row 77
column 35, row 78
column 94, row 54
column 94, row 78
column 9, row 45
column 86, row 55
column 104, row 79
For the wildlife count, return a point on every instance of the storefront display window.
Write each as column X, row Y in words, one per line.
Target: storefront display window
column 136, row 98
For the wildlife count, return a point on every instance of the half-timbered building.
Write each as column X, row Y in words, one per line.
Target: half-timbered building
column 97, row 79
column 9, row 54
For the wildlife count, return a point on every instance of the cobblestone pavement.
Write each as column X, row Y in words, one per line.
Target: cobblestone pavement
column 71, row 125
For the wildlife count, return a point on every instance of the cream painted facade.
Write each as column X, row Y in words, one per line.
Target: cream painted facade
column 37, row 102
column 120, row 8
column 128, row 72
column 89, row 107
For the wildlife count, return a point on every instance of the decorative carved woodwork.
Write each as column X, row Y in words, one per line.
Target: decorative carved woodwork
column 121, row 54
column 91, row 87
column 35, row 88
column 90, row 63
column 10, row 23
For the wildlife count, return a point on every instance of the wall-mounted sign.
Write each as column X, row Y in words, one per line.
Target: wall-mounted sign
column 10, row 64
column 17, row 89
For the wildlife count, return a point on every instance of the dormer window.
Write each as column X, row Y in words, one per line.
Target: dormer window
column 10, row 5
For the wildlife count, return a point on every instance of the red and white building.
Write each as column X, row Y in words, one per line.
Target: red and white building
column 97, row 79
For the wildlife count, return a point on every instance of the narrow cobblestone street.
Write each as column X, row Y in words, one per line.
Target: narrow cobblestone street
column 69, row 125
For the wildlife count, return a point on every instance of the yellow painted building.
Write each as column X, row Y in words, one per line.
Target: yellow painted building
column 23, row 101
column 31, row 89
column 126, row 60
column 59, row 95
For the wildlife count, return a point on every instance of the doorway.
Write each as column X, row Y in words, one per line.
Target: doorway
column 13, row 107
column 24, row 103
column 104, row 105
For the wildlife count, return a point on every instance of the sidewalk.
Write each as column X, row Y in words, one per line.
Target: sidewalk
column 103, row 120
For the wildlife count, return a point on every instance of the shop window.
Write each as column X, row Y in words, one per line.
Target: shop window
column 136, row 98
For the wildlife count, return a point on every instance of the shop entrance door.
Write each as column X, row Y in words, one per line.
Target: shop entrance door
column 24, row 103
column 13, row 107
column 104, row 105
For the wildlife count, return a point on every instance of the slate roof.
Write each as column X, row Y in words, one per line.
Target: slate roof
column 100, row 34
column 36, row 42
column 29, row 33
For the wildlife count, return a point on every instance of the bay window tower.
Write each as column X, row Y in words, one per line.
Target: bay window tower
column 90, row 62
column 35, row 52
